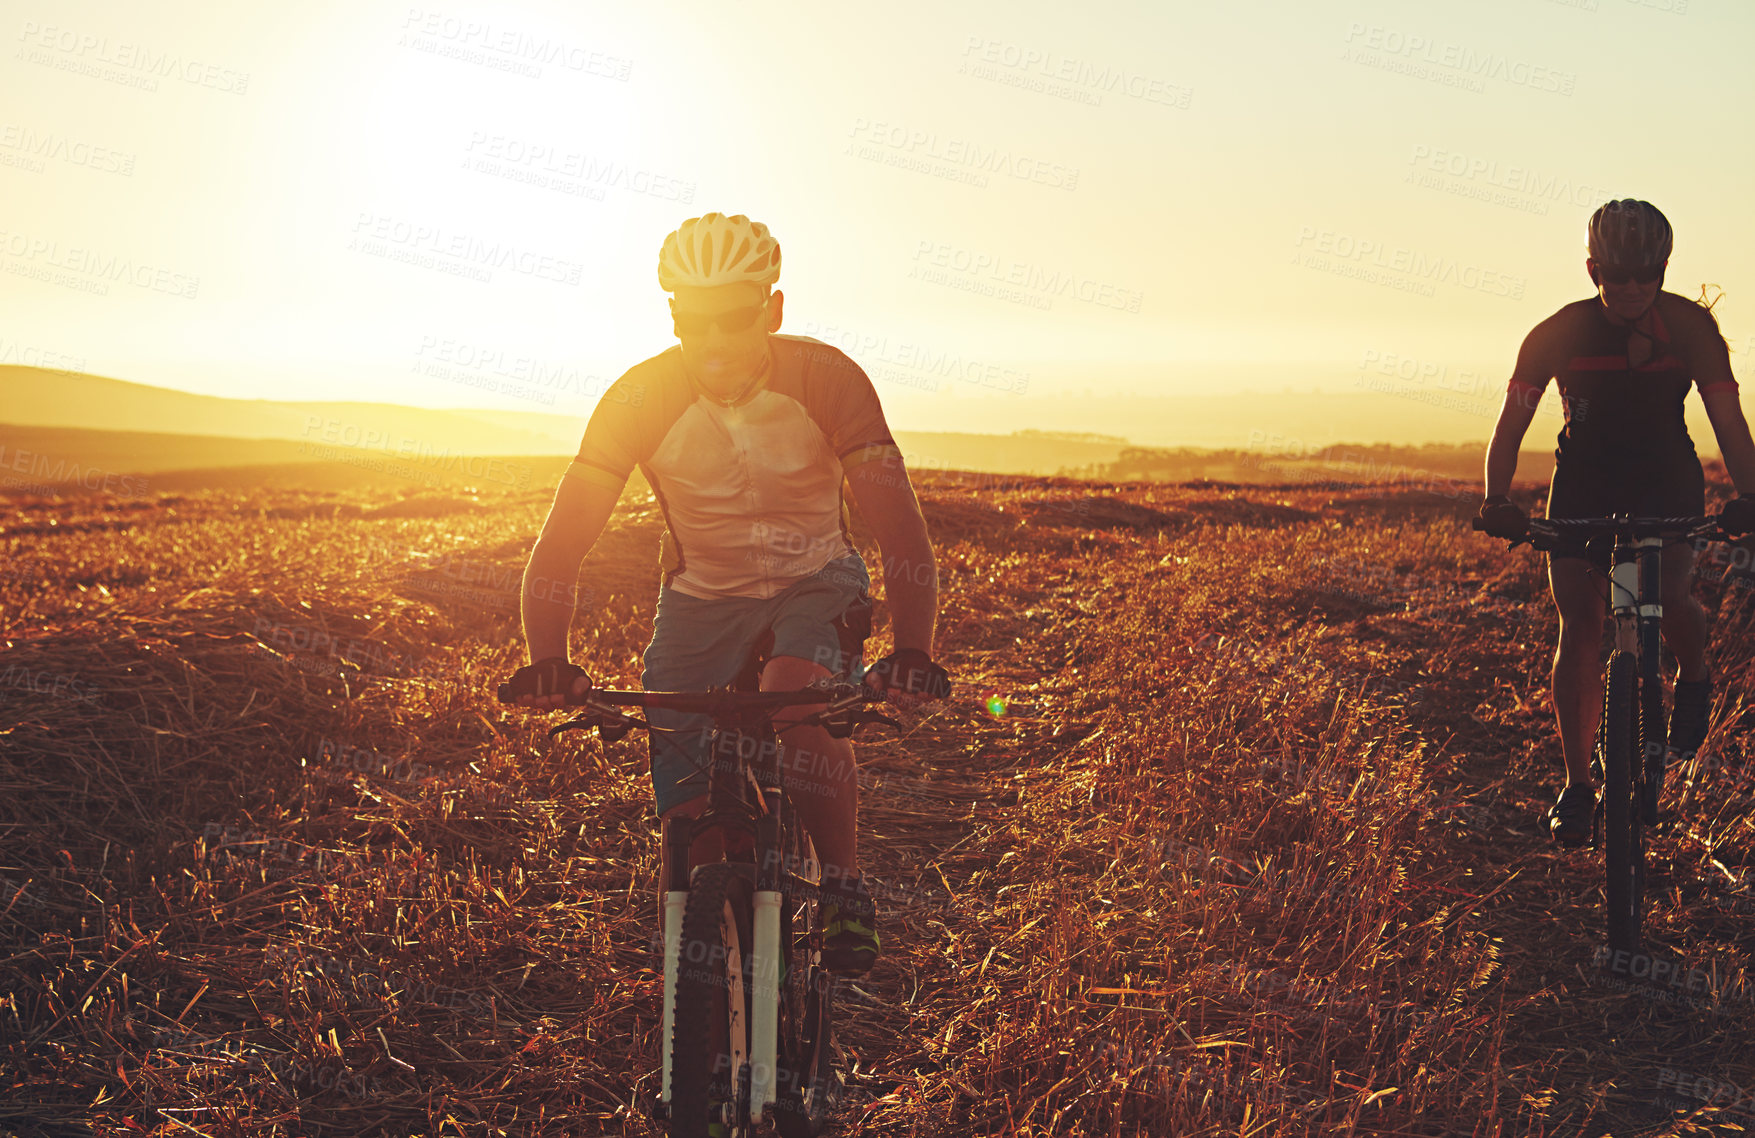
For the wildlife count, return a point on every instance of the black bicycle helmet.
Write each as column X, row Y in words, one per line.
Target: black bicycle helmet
column 1630, row 233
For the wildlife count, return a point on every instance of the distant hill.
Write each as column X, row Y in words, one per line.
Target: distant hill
column 39, row 397
column 1024, row 452
column 133, row 452
column 170, row 427
column 1403, row 414
column 124, row 427
column 69, row 424
column 130, row 463
column 1400, row 414
column 1454, row 469
column 1384, row 411
column 43, row 460
column 66, row 456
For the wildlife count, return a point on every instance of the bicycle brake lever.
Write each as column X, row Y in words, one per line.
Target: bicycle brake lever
column 582, row 723
column 611, row 726
column 843, row 725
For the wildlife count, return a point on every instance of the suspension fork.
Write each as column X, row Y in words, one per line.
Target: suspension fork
column 1651, row 607
column 1653, row 731
column 771, row 870
column 1636, row 593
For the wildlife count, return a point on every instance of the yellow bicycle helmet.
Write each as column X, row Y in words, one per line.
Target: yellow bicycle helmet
column 718, row 250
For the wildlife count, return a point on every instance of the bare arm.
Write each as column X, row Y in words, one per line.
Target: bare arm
column 581, row 509
column 1529, row 379
column 1514, row 422
column 887, row 500
column 1711, row 357
column 1726, row 414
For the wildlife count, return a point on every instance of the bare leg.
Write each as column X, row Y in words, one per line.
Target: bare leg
column 817, row 770
column 1684, row 618
column 1578, row 669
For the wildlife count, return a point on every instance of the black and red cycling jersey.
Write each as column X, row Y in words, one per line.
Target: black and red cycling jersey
column 1625, row 447
column 1622, row 384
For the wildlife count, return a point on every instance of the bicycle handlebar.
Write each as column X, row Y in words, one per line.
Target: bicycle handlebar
column 1544, row 533
column 705, row 702
column 845, row 707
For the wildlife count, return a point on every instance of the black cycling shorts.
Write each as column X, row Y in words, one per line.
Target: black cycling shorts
column 1674, row 488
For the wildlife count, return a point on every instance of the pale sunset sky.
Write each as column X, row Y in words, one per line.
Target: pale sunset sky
column 989, row 205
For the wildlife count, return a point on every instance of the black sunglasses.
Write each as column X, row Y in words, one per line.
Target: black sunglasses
column 1620, row 275
column 731, row 320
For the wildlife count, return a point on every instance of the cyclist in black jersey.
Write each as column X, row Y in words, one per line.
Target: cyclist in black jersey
column 1624, row 361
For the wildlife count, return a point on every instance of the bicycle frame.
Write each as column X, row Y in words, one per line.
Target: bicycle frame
column 748, row 805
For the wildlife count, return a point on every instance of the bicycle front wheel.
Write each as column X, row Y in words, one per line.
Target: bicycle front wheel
column 1622, row 841
column 710, row 1041
column 809, row 1085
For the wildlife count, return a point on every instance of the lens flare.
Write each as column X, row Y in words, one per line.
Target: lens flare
column 996, row 704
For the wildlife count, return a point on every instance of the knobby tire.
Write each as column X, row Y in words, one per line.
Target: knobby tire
column 1623, row 848
column 809, row 1085
column 1653, row 742
column 710, row 1032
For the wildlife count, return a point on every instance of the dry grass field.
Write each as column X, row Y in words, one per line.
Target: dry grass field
column 1253, row 848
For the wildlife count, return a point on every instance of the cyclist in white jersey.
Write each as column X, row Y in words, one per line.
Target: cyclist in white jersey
column 746, row 437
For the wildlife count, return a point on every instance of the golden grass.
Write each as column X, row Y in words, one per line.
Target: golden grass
column 1256, row 850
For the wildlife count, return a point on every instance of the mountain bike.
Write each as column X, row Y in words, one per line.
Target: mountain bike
column 1633, row 741
column 747, row 1022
